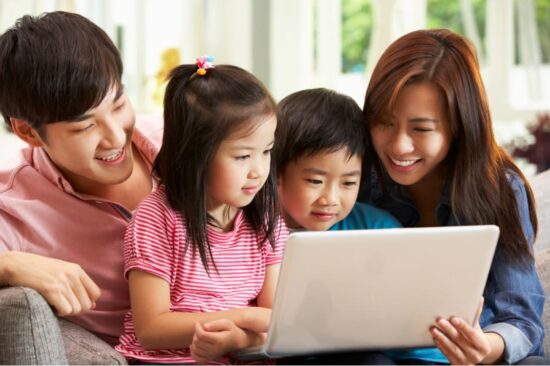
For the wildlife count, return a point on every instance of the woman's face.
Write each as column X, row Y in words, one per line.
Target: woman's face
column 416, row 138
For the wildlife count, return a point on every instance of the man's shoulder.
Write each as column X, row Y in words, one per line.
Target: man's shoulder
column 17, row 170
column 151, row 127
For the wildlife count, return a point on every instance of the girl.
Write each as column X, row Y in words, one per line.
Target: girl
column 202, row 253
column 438, row 164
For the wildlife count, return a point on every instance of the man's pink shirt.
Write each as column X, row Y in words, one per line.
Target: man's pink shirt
column 40, row 213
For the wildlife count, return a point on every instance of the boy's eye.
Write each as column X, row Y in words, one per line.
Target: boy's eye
column 242, row 157
column 314, row 181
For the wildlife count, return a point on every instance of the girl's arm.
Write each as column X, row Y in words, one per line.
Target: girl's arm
column 216, row 338
column 159, row 328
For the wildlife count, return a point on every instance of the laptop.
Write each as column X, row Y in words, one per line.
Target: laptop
column 374, row 289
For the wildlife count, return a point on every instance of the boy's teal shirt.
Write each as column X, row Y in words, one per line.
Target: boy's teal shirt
column 364, row 216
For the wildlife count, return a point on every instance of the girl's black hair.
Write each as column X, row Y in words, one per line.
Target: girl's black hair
column 200, row 111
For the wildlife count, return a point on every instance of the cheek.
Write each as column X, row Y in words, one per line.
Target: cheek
column 378, row 139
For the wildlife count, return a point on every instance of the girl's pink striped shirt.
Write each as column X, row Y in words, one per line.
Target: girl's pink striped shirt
column 155, row 243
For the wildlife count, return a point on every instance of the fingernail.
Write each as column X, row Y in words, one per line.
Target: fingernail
column 456, row 322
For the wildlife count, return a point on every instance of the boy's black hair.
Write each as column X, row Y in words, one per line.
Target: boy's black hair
column 55, row 67
column 315, row 120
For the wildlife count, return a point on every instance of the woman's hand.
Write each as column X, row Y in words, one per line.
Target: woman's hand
column 464, row 344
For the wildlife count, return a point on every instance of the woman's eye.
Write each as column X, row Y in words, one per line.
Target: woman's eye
column 242, row 157
column 314, row 181
column 350, row 184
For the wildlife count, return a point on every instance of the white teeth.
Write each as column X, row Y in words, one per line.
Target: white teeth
column 111, row 157
column 403, row 162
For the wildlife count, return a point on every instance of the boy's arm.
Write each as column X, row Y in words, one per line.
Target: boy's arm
column 159, row 328
column 64, row 285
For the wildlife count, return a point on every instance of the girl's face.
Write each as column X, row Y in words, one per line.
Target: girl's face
column 416, row 139
column 240, row 167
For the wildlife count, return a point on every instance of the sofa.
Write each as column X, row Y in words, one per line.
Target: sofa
column 31, row 331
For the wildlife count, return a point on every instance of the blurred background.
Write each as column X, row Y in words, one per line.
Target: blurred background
column 297, row 44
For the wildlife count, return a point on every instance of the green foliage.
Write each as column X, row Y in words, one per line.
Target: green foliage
column 448, row 14
column 357, row 23
column 356, row 34
column 543, row 23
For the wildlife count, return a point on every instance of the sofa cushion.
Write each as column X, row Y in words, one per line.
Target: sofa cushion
column 29, row 332
column 541, row 189
column 542, row 258
column 84, row 348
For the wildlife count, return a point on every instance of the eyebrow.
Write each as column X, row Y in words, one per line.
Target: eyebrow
column 243, row 147
column 85, row 116
column 322, row 172
column 423, row 119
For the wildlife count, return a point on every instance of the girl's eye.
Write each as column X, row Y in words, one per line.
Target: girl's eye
column 119, row 107
column 242, row 157
column 267, row 152
column 350, row 184
column 314, row 181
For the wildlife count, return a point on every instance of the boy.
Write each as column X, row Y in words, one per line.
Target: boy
column 319, row 147
column 66, row 200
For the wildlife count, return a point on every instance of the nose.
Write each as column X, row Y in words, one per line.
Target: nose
column 114, row 134
column 401, row 143
column 329, row 196
column 259, row 167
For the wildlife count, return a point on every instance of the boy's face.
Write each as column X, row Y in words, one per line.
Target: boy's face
column 95, row 151
column 320, row 190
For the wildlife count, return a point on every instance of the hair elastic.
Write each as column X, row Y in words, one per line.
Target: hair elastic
column 204, row 63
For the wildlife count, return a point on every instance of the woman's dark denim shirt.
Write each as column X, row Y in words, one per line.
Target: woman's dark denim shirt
column 514, row 298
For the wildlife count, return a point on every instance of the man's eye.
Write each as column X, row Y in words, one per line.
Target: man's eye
column 85, row 128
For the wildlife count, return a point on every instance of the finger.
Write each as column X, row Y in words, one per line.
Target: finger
column 203, row 335
column 478, row 312
column 69, row 294
column 91, row 288
column 196, row 354
column 218, row 325
column 55, row 297
column 447, row 347
column 449, row 329
column 81, row 295
column 475, row 337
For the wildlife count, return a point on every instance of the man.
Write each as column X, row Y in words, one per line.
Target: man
column 66, row 200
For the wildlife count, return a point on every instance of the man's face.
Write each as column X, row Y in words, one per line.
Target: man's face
column 95, row 150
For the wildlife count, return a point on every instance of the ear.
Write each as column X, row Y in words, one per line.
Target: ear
column 25, row 132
